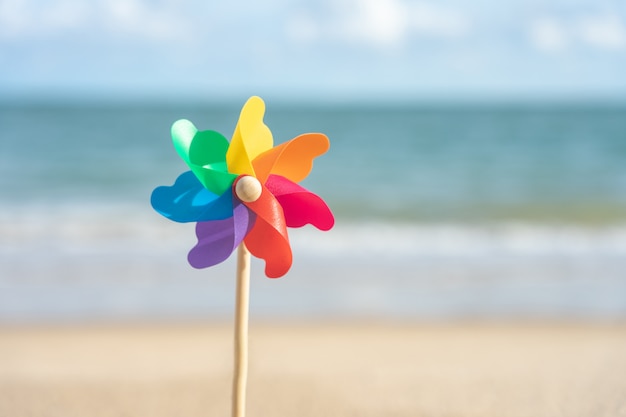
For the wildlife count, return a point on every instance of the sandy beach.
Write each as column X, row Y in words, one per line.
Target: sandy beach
column 316, row 369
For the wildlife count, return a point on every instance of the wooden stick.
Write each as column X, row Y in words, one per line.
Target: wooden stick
column 240, row 377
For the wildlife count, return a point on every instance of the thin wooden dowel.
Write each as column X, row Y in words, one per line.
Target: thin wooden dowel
column 240, row 377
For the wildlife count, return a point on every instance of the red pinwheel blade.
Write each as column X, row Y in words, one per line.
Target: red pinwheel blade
column 268, row 238
column 300, row 206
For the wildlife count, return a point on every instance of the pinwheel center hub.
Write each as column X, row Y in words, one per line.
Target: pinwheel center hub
column 248, row 189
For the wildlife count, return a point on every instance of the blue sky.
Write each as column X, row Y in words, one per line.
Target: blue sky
column 331, row 49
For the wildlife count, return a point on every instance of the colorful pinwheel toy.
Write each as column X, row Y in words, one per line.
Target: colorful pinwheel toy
column 246, row 191
column 243, row 195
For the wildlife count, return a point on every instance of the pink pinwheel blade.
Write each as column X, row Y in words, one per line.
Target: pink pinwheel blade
column 300, row 206
column 217, row 239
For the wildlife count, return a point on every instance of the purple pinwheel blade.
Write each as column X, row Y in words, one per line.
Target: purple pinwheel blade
column 188, row 201
column 217, row 239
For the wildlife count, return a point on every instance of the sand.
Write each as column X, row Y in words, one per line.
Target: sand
column 316, row 369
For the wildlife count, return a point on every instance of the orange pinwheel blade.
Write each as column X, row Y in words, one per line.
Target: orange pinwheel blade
column 293, row 159
column 268, row 237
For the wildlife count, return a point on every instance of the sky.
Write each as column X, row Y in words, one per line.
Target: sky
column 323, row 49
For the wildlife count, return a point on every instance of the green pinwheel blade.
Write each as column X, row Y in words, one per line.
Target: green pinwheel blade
column 205, row 153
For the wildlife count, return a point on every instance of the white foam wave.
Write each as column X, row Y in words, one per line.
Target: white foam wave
column 129, row 228
column 447, row 239
column 124, row 260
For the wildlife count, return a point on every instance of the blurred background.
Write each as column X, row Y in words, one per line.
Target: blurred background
column 477, row 165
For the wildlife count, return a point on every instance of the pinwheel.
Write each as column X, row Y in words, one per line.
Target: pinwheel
column 246, row 191
column 243, row 194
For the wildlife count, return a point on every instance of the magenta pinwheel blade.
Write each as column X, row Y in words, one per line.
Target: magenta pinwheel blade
column 300, row 206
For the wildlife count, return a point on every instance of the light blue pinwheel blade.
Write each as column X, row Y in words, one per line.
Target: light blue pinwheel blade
column 188, row 201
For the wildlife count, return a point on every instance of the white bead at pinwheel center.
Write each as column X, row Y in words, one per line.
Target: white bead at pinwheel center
column 248, row 189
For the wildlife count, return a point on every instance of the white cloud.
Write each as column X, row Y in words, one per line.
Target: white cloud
column 382, row 23
column 29, row 18
column 143, row 19
column 436, row 20
column 604, row 31
column 378, row 23
column 67, row 14
column 36, row 19
column 548, row 34
column 303, row 28
column 332, row 44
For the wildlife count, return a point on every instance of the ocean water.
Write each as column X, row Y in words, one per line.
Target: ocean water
column 443, row 211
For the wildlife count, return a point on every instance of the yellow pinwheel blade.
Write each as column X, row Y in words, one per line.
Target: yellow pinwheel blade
column 251, row 138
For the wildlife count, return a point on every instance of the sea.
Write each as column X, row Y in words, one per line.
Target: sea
column 443, row 211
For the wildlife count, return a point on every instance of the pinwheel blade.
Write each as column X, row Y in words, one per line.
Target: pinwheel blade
column 218, row 239
column 268, row 237
column 251, row 138
column 188, row 201
column 300, row 206
column 292, row 159
column 205, row 153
